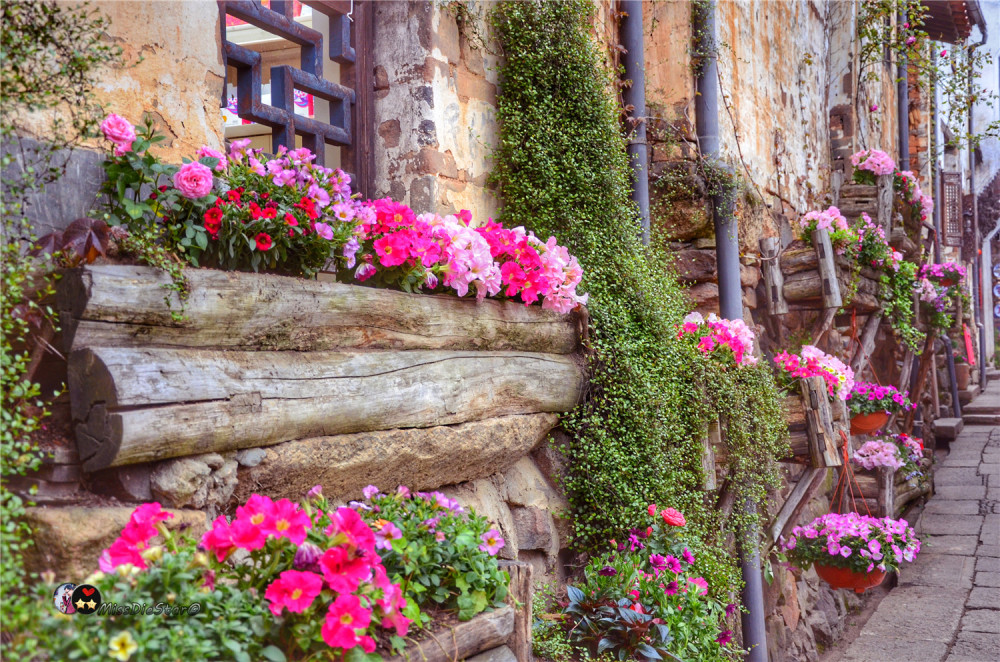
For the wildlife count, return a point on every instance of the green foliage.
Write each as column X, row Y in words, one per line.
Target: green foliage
column 896, row 294
column 562, row 169
column 437, row 560
column 227, row 622
column 48, row 55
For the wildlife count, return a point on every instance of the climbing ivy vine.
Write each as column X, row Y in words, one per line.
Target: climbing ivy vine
column 561, row 168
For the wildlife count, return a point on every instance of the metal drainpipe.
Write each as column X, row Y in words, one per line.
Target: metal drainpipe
column 903, row 106
column 977, row 303
column 635, row 96
column 730, row 299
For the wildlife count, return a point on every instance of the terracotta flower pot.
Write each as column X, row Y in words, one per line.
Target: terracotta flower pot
column 868, row 423
column 962, row 376
column 859, row 582
column 947, row 282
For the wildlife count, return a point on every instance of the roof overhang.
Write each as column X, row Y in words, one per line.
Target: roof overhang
column 951, row 21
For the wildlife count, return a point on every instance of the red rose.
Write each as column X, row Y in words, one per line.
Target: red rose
column 213, row 221
column 652, row 509
column 672, row 517
column 264, row 243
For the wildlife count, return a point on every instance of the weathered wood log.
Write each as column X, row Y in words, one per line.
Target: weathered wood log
column 885, row 478
column 808, row 286
column 884, row 203
column 798, row 256
column 910, row 493
column 836, row 185
column 809, row 484
column 830, row 289
column 774, row 280
column 798, row 443
column 480, row 634
column 823, row 444
column 866, row 484
column 795, row 412
column 856, row 199
column 122, row 305
column 519, row 597
column 135, row 405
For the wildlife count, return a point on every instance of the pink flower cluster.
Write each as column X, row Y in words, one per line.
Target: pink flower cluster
column 944, row 271
column 714, row 334
column 875, row 161
column 867, row 397
column 814, row 362
column 927, row 291
column 831, row 219
column 873, row 246
column 907, row 184
column 875, row 539
column 447, row 250
column 319, row 186
column 134, row 539
column 875, row 454
column 350, row 569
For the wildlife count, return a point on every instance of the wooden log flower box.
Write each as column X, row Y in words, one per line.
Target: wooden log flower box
column 261, row 359
column 885, row 502
column 814, row 425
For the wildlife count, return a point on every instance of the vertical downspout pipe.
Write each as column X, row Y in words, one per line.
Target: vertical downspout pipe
column 977, row 280
column 634, row 95
column 903, row 106
column 730, row 292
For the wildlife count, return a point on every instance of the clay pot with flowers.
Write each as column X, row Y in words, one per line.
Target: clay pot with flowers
column 872, row 404
column 851, row 550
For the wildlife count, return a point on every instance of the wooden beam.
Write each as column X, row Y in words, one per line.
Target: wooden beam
column 123, row 306
column 884, row 203
column 867, row 342
column 803, row 492
column 830, row 291
column 136, row 405
column 819, row 424
column 520, row 598
column 774, row 280
column 458, row 642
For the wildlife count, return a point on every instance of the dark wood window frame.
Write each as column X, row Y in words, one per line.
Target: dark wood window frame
column 351, row 122
column 951, row 209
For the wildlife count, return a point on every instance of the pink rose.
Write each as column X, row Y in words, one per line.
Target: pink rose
column 193, row 180
column 118, row 130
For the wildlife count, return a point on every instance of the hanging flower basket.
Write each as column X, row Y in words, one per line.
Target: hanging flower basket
column 868, row 423
column 859, row 582
column 947, row 282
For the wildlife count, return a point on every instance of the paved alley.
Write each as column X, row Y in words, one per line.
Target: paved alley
column 946, row 607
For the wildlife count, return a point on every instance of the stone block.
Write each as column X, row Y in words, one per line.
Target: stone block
column 983, row 597
column 946, row 570
column 940, row 610
column 937, row 507
column 695, row 266
column 949, row 525
column 421, row 458
column 68, row 540
column 500, row 654
column 962, row 545
column 964, row 492
column 534, row 529
column 128, row 483
column 981, row 620
column 987, row 578
column 199, row 481
column 948, row 428
column 250, row 457
column 973, row 646
column 987, row 564
column 868, row 648
column 525, row 485
column 960, row 476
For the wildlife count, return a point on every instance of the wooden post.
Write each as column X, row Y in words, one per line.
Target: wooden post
column 774, row 280
column 885, row 203
column 926, row 359
column 711, row 439
column 520, row 597
column 819, row 424
column 836, row 183
column 886, row 492
column 827, row 269
column 803, row 492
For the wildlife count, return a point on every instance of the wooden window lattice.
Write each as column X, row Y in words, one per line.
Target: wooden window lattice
column 951, row 211
column 285, row 80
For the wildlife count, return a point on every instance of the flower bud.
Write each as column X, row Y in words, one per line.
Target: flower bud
column 306, row 556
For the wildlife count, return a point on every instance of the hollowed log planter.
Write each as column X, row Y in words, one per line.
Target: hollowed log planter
column 859, row 582
column 814, row 425
column 261, row 359
column 868, row 423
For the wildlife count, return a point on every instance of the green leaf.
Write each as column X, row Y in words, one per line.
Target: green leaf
column 273, row 653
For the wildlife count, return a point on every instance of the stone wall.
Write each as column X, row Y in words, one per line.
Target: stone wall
column 435, row 109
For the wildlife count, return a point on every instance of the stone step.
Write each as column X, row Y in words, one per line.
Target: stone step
column 968, row 395
column 947, row 429
column 981, row 419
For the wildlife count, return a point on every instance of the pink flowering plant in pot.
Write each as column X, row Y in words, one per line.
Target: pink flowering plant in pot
column 814, row 362
column 859, row 543
column 645, row 600
column 869, row 164
column 442, row 555
column 869, row 398
column 841, row 234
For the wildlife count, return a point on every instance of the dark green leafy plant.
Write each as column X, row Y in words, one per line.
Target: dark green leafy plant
column 561, row 169
column 442, row 557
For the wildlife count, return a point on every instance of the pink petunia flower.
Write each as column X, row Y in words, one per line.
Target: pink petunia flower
column 293, row 590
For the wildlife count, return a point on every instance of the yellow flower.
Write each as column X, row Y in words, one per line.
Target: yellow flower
column 153, row 554
column 122, row 646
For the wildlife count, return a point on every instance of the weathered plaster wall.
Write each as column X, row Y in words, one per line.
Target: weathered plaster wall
column 435, row 110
